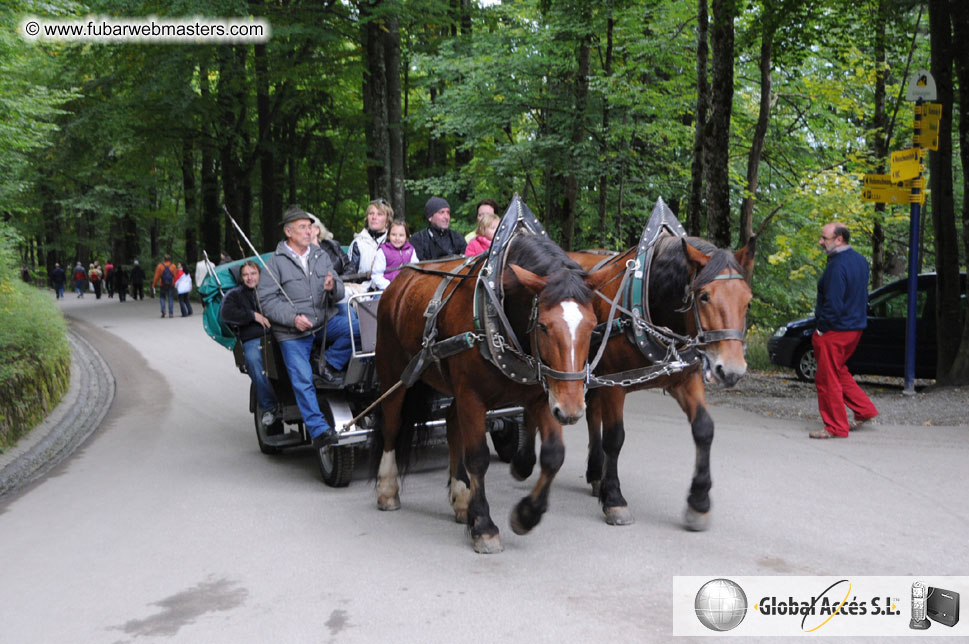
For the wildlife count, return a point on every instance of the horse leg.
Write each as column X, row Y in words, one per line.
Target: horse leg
column 692, row 398
column 459, row 491
column 470, row 415
column 388, row 486
column 614, row 505
column 528, row 512
column 593, row 415
column 523, row 462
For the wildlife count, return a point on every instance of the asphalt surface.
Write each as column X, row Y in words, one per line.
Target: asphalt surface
column 168, row 524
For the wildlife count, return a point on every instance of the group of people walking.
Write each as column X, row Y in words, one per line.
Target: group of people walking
column 110, row 278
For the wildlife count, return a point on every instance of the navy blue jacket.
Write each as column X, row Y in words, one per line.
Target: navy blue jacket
column 842, row 303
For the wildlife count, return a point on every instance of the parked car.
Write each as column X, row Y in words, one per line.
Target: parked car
column 881, row 350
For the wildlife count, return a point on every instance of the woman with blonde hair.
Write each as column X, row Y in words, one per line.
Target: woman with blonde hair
column 363, row 248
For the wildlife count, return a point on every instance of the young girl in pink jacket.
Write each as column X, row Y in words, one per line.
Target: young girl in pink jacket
column 392, row 255
column 487, row 226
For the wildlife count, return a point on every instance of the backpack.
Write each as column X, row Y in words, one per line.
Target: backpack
column 167, row 277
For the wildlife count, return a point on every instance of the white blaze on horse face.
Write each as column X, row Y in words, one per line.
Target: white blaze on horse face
column 572, row 315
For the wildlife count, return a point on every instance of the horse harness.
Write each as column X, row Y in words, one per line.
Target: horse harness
column 667, row 351
column 493, row 333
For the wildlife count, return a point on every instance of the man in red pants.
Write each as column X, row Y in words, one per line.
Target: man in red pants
column 842, row 315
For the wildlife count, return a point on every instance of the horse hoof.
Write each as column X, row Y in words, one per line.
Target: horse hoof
column 388, row 503
column 596, row 486
column 516, row 525
column 461, row 517
column 619, row 515
column 696, row 521
column 487, row 544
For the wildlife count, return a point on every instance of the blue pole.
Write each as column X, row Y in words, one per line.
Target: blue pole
column 913, row 273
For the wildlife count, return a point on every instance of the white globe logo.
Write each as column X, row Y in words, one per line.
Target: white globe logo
column 720, row 605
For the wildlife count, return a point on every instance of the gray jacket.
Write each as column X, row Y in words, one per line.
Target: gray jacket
column 306, row 292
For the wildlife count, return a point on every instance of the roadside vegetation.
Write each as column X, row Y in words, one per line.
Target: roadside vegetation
column 35, row 357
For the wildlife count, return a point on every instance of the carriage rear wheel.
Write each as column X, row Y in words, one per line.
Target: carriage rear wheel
column 336, row 465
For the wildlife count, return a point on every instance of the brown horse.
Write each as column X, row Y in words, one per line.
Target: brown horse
column 694, row 289
column 548, row 303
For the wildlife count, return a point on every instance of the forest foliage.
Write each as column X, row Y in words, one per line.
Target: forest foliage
column 587, row 109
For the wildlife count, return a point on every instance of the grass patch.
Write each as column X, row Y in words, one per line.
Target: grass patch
column 35, row 357
column 757, row 356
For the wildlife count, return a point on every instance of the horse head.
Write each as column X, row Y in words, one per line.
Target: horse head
column 719, row 295
column 560, row 333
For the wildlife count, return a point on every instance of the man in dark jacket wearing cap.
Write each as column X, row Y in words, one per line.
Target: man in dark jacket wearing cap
column 437, row 240
column 304, row 314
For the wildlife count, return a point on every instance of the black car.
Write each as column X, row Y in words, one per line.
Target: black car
column 881, row 350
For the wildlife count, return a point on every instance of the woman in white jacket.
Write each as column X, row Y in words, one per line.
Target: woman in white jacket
column 363, row 248
column 183, row 286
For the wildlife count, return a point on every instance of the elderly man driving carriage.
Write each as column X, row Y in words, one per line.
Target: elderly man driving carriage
column 300, row 300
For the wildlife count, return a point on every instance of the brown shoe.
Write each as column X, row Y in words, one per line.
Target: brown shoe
column 822, row 433
column 864, row 422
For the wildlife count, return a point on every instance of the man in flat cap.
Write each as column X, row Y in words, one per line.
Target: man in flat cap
column 305, row 314
column 437, row 240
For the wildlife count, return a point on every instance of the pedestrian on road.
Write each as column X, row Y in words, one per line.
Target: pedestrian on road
column 137, row 281
column 842, row 314
column 183, row 286
column 109, row 278
column 94, row 274
column 57, row 278
column 241, row 311
column 303, row 315
column 164, row 280
column 120, row 282
column 79, row 277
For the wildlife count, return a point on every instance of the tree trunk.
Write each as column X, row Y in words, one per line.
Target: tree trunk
column 375, row 100
column 604, row 146
column 694, row 216
column 211, row 220
column 232, row 110
column 398, row 173
column 578, row 134
column 948, row 319
column 271, row 211
column 879, row 145
column 717, row 135
column 959, row 371
column 191, row 202
column 760, row 131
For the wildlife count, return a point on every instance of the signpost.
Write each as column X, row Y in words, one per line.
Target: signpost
column 905, row 184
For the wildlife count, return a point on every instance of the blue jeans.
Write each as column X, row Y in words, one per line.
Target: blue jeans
column 59, row 291
column 184, row 304
column 296, row 356
column 265, row 396
column 163, row 293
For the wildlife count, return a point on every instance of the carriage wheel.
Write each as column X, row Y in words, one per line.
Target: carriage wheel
column 336, row 465
column 504, row 436
column 805, row 364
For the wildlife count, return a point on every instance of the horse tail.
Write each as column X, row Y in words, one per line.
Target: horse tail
column 413, row 432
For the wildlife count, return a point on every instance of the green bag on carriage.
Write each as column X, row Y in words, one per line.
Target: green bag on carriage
column 212, row 288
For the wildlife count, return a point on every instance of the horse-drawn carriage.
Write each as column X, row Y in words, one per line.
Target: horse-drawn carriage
column 350, row 409
column 526, row 325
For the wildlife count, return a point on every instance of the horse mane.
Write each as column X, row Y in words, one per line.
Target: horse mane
column 542, row 256
column 670, row 273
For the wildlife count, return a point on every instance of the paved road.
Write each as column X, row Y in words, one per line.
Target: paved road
column 169, row 525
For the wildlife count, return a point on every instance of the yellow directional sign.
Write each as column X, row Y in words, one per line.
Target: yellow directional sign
column 878, row 181
column 919, row 198
column 932, row 110
column 914, row 183
column 886, row 195
column 928, row 140
column 906, row 164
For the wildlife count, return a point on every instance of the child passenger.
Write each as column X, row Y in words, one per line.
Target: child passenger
column 392, row 255
column 487, row 226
